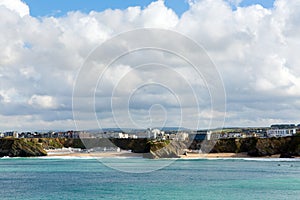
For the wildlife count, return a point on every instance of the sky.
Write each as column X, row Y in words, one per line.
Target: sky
column 61, row 7
column 53, row 77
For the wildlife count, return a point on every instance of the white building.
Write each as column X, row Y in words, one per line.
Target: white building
column 160, row 135
column 210, row 135
column 182, row 136
column 14, row 134
column 133, row 136
column 152, row 133
column 281, row 132
column 122, row 135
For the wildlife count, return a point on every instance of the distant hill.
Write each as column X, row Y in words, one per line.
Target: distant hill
column 173, row 129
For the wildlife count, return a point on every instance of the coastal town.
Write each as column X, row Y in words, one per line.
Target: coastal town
column 275, row 130
column 281, row 140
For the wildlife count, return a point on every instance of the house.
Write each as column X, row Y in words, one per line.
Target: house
column 160, row 135
column 14, row 134
column 200, row 135
column 152, row 133
column 281, row 132
column 182, row 136
column 122, row 135
column 133, row 136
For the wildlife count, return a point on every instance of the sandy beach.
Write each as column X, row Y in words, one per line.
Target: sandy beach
column 108, row 154
column 215, row 155
column 124, row 154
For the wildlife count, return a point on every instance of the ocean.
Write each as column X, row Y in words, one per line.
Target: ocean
column 89, row 178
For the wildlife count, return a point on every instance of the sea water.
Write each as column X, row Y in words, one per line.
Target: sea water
column 88, row 178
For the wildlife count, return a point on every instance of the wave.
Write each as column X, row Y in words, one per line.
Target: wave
column 273, row 159
column 249, row 159
column 5, row 157
column 174, row 159
column 86, row 157
column 67, row 157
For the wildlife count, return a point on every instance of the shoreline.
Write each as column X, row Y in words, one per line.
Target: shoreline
column 127, row 154
column 229, row 155
column 108, row 154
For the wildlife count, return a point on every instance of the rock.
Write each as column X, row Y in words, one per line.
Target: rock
column 140, row 145
column 286, row 155
column 165, row 149
column 14, row 147
column 255, row 147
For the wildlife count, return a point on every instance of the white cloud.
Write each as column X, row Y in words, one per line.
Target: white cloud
column 158, row 15
column 43, row 101
column 17, row 6
column 8, row 95
column 254, row 48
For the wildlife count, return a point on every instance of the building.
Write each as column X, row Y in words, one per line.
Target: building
column 281, row 132
column 182, row 136
column 152, row 133
column 14, row 134
column 133, row 136
column 199, row 135
column 123, row 135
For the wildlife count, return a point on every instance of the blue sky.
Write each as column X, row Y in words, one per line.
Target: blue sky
column 61, row 7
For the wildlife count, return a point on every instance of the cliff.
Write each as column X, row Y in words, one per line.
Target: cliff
column 21, row 148
column 30, row 147
column 165, row 149
column 25, row 147
column 54, row 143
column 135, row 145
column 285, row 146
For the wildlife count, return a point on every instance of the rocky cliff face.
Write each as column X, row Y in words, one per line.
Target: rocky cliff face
column 286, row 146
column 165, row 149
column 140, row 145
column 25, row 147
column 21, row 148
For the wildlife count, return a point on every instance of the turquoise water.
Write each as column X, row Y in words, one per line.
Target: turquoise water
column 39, row 178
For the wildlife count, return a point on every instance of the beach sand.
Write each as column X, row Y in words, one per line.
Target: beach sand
column 215, row 155
column 190, row 155
column 129, row 154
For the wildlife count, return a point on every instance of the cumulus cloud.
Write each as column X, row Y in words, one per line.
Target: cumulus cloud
column 45, row 102
column 16, row 6
column 254, row 49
